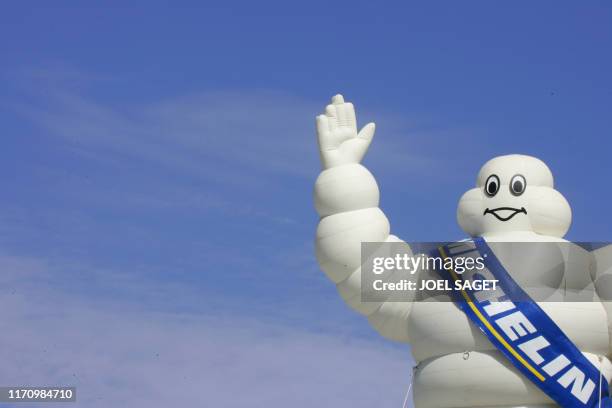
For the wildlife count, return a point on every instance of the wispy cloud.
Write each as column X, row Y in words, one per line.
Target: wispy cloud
column 161, row 253
column 119, row 354
column 212, row 135
column 220, row 133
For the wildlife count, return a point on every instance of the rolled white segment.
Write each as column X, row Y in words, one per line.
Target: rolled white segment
column 479, row 379
column 350, row 288
column 391, row 320
column 345, row 188
column 339, row 238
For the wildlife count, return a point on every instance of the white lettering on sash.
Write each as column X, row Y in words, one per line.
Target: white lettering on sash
column 581, row 389
column 515, row 325
column 531, row 348
column 496, row 308
column 558, row 364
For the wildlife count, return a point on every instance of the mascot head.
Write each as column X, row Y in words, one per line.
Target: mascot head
column 514, row 193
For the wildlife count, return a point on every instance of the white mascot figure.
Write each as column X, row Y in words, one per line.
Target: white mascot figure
column 514, row 201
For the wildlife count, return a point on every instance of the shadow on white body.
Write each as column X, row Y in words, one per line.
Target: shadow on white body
column 514, row 201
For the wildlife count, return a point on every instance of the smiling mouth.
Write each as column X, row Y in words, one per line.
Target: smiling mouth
column 509, row 210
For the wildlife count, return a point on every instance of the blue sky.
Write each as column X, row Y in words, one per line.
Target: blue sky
column 157, row 163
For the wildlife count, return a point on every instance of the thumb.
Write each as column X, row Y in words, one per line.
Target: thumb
column 367, row 132
column 362, row 142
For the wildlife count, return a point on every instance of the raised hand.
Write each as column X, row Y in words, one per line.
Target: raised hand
column 339, row 142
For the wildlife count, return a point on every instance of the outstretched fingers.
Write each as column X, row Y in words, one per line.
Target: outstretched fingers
column 323, row 131
column 339, row 141
column 332, row 115
column 337, row 99
column 322, row 124
column 341, row 113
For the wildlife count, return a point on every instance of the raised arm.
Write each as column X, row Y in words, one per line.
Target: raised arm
column 346, row 197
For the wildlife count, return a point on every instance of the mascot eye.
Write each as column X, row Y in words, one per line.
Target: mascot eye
column 517, row 185
column 492, row 185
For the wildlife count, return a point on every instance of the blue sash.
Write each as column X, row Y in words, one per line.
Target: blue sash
column 524, row 333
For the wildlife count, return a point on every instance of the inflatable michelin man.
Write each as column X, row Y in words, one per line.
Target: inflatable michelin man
column 514, row 200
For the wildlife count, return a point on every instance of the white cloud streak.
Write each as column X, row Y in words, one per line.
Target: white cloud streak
column 117, row 354
column 225, row 134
